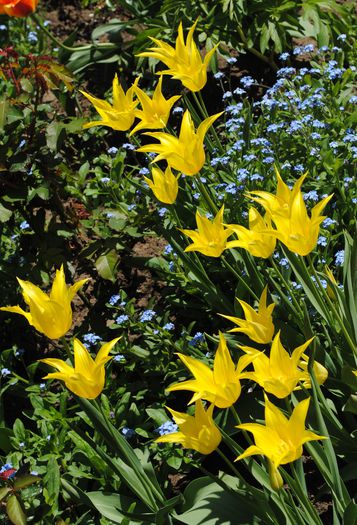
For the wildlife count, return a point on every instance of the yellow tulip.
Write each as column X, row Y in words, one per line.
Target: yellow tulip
column 163, row 185
column 51, row 315
column 185, row 153
column 287, row 208
column 280, row 373
column 87, row 378
column 219, row 386
column 255, row 239
column 280, row 439
column 211, row 237
column 155, row 111
column 184, row 61
column 197, row 432
column 119, row 116
column 257, row 325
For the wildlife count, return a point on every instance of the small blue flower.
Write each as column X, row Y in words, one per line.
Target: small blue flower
column 342, row 37
column 226, row 95
column 5, row 372
column 268, row 160
column 169, row 427
column 3, row 27
column 144, row 171
column 128, row 432
column 171, row 266
column 322, row 241
column 246, row 81
column 239, row 91
column 147, row 315
column 219, row 75
column 286, row 72
column 22, row 444
column 315, row 136
column 24, row 225
column 121, row 319
column 128, row 146
column 32, row 37
column 119, row 358
column 197, row 338
column 328, row 222
column 91, row 339
column 112, row 151
column 177, row 110
column 311, row 196
column 113, row 300
column 256, row 176
column 284, row 57
column 169, row 327
column 162, row 211
column 231, row 60
column 105, row 180
column 42, row 386
column 340, row 257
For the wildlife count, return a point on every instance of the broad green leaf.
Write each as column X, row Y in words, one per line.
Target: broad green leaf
column 106, row 265
column 3, row 112
column 14, row 511
column 51, row 481
column 5, row 213
column 25, row 481
column 4, row 491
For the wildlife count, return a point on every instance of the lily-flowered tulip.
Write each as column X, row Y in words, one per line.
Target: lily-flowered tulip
column 280, row 373
column 197, row 432
column 119, row 116
column 155, row 111
column 320, row 372
column 280, row 439
column 163, row 185
column 287, row 208
column 257, row 325
column 184, row 61
column 211, row 237
column 219, row 386
column 282, row 201
column 185, row 153
column 87, row 378
column 18, row 8
column 255, row 239
column 51, row 315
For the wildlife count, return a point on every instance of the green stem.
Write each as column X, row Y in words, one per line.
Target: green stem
column 200, row 103
column 67, row 349
column 239, row 277
column 211, row 205
column 288, row 287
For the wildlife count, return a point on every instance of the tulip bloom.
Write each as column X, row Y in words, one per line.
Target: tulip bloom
column 256, row 240
column 18, row 8
column 257, row 325
column 50, row 315
column 87, row 378
column 211, row 237
column 280, row 439
column 121, row 115
column 197, row 432
column 184, row 61
column 287, row 208
column 185, row 153
column 280, row 373
column 163, row 185
column 155, row 111
column 219, row 386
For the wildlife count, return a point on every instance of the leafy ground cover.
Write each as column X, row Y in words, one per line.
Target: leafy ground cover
column 210, row 251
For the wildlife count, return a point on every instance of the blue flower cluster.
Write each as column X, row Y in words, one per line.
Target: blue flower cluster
column 169, row 427
column 147, row 315
column 91, row 339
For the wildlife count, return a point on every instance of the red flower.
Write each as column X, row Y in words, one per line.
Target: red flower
column 17, row 8
column 8, row 474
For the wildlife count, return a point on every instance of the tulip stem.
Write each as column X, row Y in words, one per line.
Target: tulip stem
column 200, row 103
column 101, row 45
column 231, row 466
column 240, row 279
column 206, row 195
column 67, row 349
column 288, row 288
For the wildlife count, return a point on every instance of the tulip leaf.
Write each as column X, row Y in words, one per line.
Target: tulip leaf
column 350, row 514
column 207, row 503
column 15, row 511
